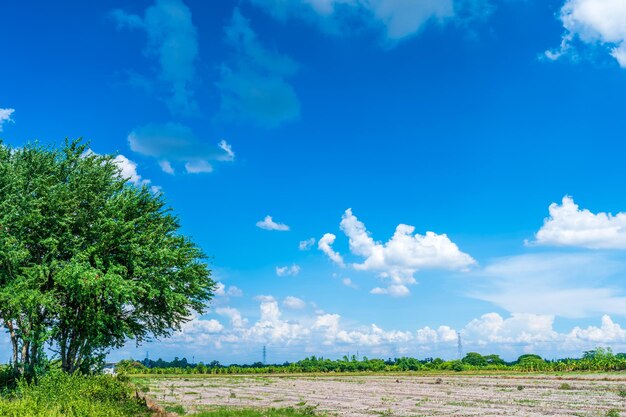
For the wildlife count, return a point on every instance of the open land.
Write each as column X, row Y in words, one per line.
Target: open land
column 453, row 394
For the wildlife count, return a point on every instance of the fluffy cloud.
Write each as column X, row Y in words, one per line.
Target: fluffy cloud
column 326, row 332
column 5, row 116
column 253, row 84
column 492, row 328
column 172, row 40
column 175, row 142
column 401, row 257
column 294, row 303
column 567, row 285
column 236, row 319
column 232, row 291
column 325, row 245
column 269, row 224
column 284, row 271
column 397, row 19
column 608, row 332
column 306, row 244
column 570, row 226
column 128, row 170
column 594, row 22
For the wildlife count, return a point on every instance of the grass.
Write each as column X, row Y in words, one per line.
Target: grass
column 58, row 394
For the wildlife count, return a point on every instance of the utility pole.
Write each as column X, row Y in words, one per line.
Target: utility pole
column 264, row 355
column 460, row 345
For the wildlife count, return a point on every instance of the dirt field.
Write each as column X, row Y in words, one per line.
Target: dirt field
column 419, row 395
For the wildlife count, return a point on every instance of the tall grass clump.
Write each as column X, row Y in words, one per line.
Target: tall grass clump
column 59, row 394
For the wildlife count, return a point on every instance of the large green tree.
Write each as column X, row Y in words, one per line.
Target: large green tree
column 88, row 260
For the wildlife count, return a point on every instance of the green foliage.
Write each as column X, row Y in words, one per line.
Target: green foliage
column 565, row 386
column 475, row 359
column 612, row 413
column 87, row 260
column 58, row 394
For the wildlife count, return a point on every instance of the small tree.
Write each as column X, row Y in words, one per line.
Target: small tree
column 87, row 260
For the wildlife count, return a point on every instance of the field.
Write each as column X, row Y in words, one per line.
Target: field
column 445, row 394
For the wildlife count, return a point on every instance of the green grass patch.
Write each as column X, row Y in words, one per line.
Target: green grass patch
column 58, row 394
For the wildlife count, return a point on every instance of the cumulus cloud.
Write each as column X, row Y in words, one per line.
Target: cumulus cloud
column 306, row 244
column 253, row 84
column 318, row 332
column 567, row 285
column 236, row 319
column 175, row 142
column 173, row 41
column 5, row 116
column 401, row 257
column 268, row 223
column 568, row 225
column 593, row 22
column 284, row 271
column 294, row 303
column 526, row 328
column 222, row 291
column 396, row 19
column 325, row 245
column 128, row 170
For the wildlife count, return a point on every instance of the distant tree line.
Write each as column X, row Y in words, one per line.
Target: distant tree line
column 600, row 359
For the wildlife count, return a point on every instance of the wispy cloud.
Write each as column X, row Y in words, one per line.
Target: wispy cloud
column 568, row 285
column 284, row 271
column 173, row 142
column 306, row 244
column 172, row 40
column 5, row 117
column 268, row 223
column 395, row 19
column 253, row 84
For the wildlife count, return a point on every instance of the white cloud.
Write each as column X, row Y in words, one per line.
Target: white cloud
column 567, row 285
column 268, row 223
column 253, row 84
column 593, row 22
column 5, row 116
column 325, row 245
column 166, row 167
column 396, row 290
column 175, row 142
column 234, row 291
column 294, row 303
column 128, row 170
column 222, row 291
column 570, row 226
column 284, row 271
column 401, row 257
column 519, row 328
column 608, row 332
column 348, row 283
column 173, row 41
column 326, row 333
column 236, row 319
column 444, row 334
column 306, row 244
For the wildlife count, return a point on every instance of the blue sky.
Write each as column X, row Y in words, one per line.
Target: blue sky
column 465, row 119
